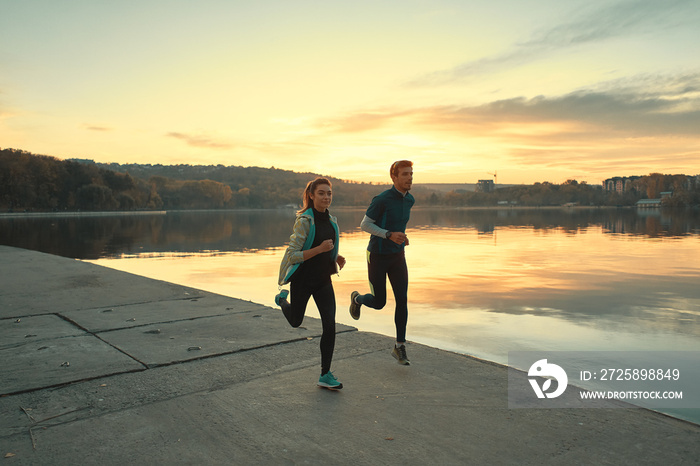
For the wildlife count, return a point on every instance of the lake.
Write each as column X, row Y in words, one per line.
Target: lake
column 483, row 282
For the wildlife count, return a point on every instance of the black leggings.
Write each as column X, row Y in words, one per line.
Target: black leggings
column 324, row 296
column 379, row 266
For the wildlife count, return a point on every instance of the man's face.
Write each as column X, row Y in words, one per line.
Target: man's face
column 404, row 179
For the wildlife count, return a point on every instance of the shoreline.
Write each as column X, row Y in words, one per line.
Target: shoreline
column 335, row 208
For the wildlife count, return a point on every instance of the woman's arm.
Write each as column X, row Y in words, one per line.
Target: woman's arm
column 301, row 230
column 327, row 245
column 296, row 242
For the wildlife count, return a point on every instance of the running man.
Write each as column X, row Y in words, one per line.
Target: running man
column 385, row 220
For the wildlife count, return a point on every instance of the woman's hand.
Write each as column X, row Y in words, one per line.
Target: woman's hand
column 326, row 246
column 341, row 261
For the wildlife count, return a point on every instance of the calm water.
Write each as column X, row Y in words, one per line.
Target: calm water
column 482, row 282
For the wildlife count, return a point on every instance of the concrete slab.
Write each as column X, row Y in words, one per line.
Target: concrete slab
column 46, row 363
column 261, row 407
column 41, row 283
column 135, row 315
column 15, row 333
column 171, row 342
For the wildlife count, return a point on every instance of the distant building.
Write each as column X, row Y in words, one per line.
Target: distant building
column 619, row 184
column 653, row 203
column 648, row 203
column 485, row 186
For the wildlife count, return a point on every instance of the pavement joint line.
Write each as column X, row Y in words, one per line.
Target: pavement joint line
column 38, row 340
column 138, row 303
column 241, row 350
column 70, row 321
column 188, row 298
column 39, row 424
column 25, row 316
column 48, row 312
column 107, row 330
column 72, row 382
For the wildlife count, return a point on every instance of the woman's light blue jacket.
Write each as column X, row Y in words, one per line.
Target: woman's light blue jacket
column 302, row 238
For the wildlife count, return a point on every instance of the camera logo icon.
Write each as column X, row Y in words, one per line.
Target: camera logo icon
column 549, row 371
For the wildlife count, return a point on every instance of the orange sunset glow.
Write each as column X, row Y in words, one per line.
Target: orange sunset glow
column 492, row 291
column 537, row 91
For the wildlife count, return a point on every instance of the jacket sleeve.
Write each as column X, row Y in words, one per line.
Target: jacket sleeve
column 368, row 225
column 294, row 253
column 297, row 240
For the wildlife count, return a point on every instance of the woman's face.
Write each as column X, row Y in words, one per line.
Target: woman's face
column 322, row 197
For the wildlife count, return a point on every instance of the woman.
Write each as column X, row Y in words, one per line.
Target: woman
column 310, row 260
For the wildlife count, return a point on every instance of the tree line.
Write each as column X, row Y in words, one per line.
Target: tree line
column 685, row 192
column 30, row 182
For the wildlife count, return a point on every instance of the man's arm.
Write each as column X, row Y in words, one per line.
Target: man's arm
column 370, row 226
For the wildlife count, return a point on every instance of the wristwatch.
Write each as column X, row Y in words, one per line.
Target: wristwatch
column 388, row 234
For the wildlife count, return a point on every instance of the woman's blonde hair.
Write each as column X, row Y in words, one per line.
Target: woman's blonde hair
column 311, row 186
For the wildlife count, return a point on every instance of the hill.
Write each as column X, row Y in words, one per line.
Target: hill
column 44, row 183
column 30, row 182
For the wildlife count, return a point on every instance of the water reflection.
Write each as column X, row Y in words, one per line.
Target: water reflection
column 523, row 290
column 193, row 232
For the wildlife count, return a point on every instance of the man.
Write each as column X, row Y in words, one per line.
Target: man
column 385, row 220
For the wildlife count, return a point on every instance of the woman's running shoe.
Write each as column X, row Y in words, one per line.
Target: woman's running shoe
column 329, row 381
column 281, row 296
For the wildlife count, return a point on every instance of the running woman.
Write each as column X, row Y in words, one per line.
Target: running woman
column 385, row 220
column 308, row 263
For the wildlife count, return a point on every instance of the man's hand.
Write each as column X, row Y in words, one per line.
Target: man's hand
column 341, row 261
column 398, row 237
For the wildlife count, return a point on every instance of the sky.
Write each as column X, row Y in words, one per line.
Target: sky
column 511, row 90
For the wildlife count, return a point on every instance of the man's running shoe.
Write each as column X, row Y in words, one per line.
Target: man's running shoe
column 354, row 305
column 281, row 296
column 400, row 355
column 329, row 381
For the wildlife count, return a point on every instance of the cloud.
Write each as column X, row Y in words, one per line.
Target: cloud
column 625, row 125
column 654, row 106
column 650, row 105
column 199, row 141
column 96, row 128
column 364, row 120
column 616, row 20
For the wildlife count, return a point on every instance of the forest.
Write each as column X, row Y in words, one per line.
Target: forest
column 30, row 182
column 41, row 183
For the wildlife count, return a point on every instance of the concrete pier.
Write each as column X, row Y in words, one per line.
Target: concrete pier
column 104, row 367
